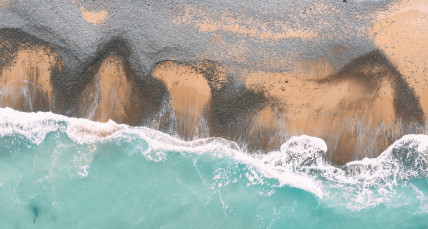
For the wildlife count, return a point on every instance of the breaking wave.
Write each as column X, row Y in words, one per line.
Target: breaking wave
column 301, row 162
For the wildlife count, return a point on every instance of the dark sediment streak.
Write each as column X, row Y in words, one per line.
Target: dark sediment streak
column 232, row 107
column 147, row 92
column 373, row 70
column 405, row 101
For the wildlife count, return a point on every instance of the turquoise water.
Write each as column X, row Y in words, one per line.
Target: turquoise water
column 59, row 172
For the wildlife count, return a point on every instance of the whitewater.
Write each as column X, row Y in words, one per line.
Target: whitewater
column 62, row 172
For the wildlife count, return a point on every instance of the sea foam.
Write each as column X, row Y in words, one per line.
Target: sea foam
column 301, row 161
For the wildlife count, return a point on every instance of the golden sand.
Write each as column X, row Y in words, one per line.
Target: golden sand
column 401, row 33
column 108, row 93
column 94, row 17
column 26, row 83
column 337, row 111
column 189, row 91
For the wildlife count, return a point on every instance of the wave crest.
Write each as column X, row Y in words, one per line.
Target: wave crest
column 301, row 161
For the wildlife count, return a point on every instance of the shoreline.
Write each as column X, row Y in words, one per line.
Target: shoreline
column 359, row 84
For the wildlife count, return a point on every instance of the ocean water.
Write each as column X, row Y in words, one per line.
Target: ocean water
column 60, row 172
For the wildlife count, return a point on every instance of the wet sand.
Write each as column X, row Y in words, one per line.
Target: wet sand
column 358, row 111
column 25, row 77
column 254, row 96
column 189, row 95
column 401, row 33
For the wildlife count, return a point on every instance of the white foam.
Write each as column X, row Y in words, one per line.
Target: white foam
column 423, row 203
column 33, row 126
column 301, row 162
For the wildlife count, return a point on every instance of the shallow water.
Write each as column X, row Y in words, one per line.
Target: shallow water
column 59, row 172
